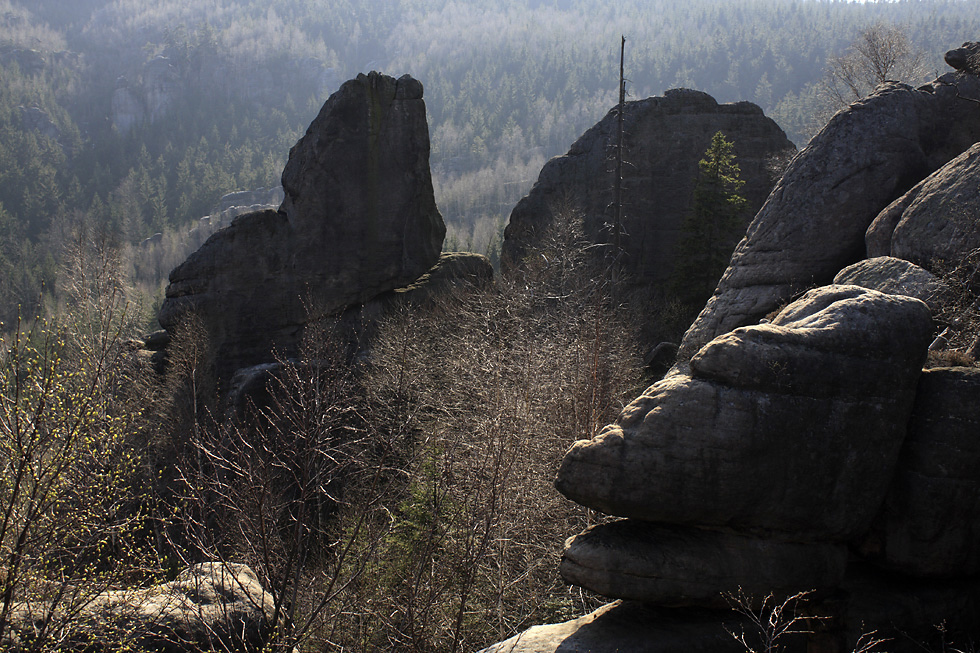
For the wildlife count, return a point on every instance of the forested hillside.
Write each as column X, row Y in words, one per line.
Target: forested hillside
column 134, row 118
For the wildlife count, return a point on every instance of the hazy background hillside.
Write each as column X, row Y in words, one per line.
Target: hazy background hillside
column 508, row 84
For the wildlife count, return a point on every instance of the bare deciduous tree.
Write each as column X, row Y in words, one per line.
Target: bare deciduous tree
column 881, row 53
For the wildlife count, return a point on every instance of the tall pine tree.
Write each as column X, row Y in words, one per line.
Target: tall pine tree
column 712, row 227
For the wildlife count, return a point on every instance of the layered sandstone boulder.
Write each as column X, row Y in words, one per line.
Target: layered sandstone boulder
column 208, row 607
column 894, row 276
column 676, row 566
column 753, row 471
column 793, row 426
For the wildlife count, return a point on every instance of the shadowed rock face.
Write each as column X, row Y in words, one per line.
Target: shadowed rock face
column 809, row 452
column 814, row 222
column 665, row 137
column 681, row 566
column 627, row 626
column 930, row 525
column 359, row 218
column 753, row 471
column 790, row 427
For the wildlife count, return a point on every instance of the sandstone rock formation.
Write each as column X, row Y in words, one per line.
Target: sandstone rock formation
column 814, row 221
column 452, row 268
column 965, row 58
column 126, row 108
column 936, row 220
column 208, row 607
column 822, row 393
column 264, row 197
column 665, row 138
column 873, row 605
column 147, row 100
column 358, row 219
column 630, row 626
column 673, row 566
column 893, row 276
column 930, row 525
column 161, row 85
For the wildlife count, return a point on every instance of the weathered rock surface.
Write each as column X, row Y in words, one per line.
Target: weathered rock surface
column 965, row 58
column 893, row 276
column 665, row 137
column 147, row 100
column 682, row 566
column 208, row 607
column 930, row 525
column 127, row 110
column 358, row 219
column 813, row 223
column 627, row 626
column 161, row 85
column 902, row 612
column 936, row 220
column 815, row 404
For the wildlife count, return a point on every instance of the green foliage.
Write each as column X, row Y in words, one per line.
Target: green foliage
column 71, row 502
column 717, row 218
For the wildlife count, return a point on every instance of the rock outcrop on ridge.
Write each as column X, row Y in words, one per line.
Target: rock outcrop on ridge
column 965, row 58
column 814, row 222
column 665, row 137
column 359, row 219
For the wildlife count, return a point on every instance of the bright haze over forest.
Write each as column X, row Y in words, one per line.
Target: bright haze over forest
column 508, row 84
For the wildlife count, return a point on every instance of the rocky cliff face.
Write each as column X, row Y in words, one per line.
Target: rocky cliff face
column 149, row 99
column 821, row 393
column 665, row 137
column 814, row 222
column 358, row 219
column 806, row 450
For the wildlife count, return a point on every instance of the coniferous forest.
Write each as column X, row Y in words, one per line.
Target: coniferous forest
column 508, row 85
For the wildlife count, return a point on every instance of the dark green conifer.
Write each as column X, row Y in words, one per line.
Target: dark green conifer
column 713, row 225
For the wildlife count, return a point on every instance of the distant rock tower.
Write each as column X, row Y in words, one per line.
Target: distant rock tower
column 665, row 137
column 359, row 218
